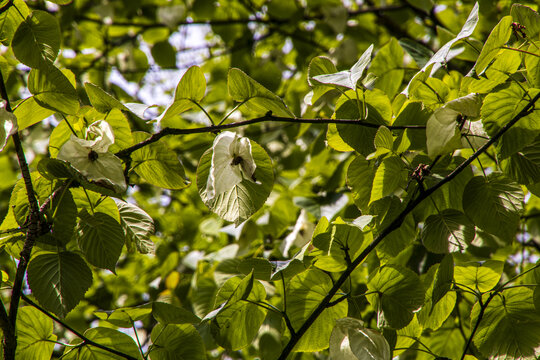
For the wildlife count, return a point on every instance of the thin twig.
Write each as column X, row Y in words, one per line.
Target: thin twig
column 85, row 340
column 268, row 117
column 395, row 225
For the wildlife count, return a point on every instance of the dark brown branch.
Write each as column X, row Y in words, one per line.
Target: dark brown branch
column 268, row 117
column 396, row 224
column 225, row 22
column 31, row 235
column 85, row 340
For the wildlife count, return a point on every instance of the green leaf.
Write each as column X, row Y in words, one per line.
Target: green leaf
column 499, row 108
column 360, row 177
column 11, row 18
column 260, row 100
column 238, row 320
column 443, row 278
column 498, row 37
column 447, row 231
column 532, row 64
column 170, row 314
column 52, row 90
column 101, row 100
column 398, row 292
column 29, row 112
column 125, row 316
column 317, row 66
column 384, row 142
column 494, row 204
column 358, row 137
column 385, row 211
column 176, row 342
column 527, row 17
column 65, row 218
column 164, row 55
column 157, row 165
column 101, row 239
column 138, row 227
column 348, row 78
column 110, row 338
column 261, row 267
column 59, row 281
column 524, row 166
column 189, row 91
column 390, row 175
column 346, row 241
column 387, row 65
column 510, row 327
column 37, row 40
column 350, row 340
column 480, row 277
column 304, row 293
column 244, row 199
column 434, row 314
column 443, row 131
column 35, row 338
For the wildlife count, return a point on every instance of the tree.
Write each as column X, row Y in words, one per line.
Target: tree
column 323, row 179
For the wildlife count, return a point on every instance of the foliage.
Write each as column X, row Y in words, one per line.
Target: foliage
column 308, row 179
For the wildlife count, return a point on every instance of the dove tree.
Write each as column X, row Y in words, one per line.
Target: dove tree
column 269, row 179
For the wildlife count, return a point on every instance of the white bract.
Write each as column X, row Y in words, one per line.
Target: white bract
column 91, row 157
column 232, row 162
column 8, row 124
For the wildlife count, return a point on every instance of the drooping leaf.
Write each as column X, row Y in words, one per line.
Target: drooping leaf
column 170, row 314
column 30, row 112
column 510, row 327
column 388, row 177
column 10, row 19
column 35, row 338
column 59, row 281
column 176, row 342
column 110, row 338
column 138, row 226
column 260, row 100
column 387, row 65
column 497, row 38
column 398, row 292
column 37, row 40
column 304, row 293
column 502, row 106
column 447, row 231
column 494, row 204
column 238, row 319
column 101, row 238
column 125, row 316
column 157, row 165
column 350, row 340
column 52, row 90
column 101, row 100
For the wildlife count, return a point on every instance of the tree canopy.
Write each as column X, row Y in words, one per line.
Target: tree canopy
column 272, row 179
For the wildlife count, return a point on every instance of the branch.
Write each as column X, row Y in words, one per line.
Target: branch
column 31, row 234
column 225, row 22
column 396, row 224
column 268, row 117
column 78, row 334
